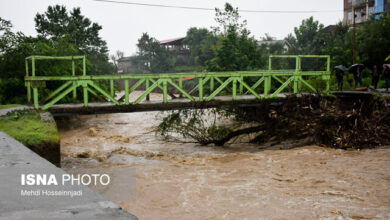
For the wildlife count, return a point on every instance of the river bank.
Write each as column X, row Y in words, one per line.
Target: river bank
column 35, row 129
column 239, row 180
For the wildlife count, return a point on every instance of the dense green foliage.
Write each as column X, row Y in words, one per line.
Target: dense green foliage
column 200, row 42
column 60, row 33
column 306, row 38
column 152, row 56
column 373, row 39
column 235, row 49
column 230, row 46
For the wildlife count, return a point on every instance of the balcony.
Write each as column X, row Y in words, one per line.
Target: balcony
column 360, row 3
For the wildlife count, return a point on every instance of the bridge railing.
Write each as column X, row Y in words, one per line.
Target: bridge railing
column 260, row 84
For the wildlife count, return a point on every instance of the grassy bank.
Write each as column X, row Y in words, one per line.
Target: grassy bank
column 27, row 127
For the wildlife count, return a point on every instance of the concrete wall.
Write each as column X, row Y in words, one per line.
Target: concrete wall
column 16, row 159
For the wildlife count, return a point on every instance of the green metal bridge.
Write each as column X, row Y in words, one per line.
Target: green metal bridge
column 211, row 88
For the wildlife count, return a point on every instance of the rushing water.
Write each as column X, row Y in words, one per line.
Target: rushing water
column 188, row 181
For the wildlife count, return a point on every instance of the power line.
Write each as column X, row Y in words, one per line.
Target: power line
column 212, row 9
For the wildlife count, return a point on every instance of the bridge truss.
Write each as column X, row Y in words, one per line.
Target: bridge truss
column 261, row 84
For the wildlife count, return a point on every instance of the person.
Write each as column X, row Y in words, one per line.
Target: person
column 375, row 77
column 386, row 75
column 339, row 76
column 358, row 77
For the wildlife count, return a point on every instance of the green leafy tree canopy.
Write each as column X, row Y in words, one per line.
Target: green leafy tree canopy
column 56, row 22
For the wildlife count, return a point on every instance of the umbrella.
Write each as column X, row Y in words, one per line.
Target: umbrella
column 354, row 67
column 386, row 66
column 341, row 67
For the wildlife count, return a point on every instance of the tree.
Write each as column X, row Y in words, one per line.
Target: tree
column 228, row 19
column 338, row 44
column 60, row 34
column 115, row 57
column 200, row 42
column 373, row 41
column 56, row 22
column 7, row 37
column 236, row 49
column 272, row 47
column 304, row 40
column 12, row 65
column 153, row 56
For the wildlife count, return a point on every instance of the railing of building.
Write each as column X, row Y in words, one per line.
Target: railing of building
column 235, row 83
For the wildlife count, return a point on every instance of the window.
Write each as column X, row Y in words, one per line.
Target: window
column 349, row 17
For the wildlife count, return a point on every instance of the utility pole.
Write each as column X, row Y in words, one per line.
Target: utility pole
column 354, row 41
column 354, row 35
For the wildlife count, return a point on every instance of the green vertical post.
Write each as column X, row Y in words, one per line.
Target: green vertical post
column 295, row 81
column 234, row 89
column 28, row 92
column 28, row 84
column 35, row 90
column 84, row 66
column 211, row 85
column 165, row 91
column 328, row 72
column 267, row 85
column 200, row 88
column 112, row 92
column 33, row 66
column 270, row 63
column 328, row 64
column 242, row 86
column 181, row 82
column 146, row 88
column 327, row 85
column 126, row 91
column 85, row 93
column 267, row 79
column 74, row 83
column 299, row 71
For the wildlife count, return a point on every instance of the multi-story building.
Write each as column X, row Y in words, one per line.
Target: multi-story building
column 364, row 9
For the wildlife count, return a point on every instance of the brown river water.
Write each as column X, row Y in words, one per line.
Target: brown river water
column 239, row 181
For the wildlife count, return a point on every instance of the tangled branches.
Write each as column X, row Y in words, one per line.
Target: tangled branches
column 360, row 122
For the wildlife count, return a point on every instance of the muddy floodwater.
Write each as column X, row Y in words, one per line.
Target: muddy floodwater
column 239, row 181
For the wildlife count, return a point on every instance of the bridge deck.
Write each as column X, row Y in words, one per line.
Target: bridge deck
column 155, row 105
column 181, row 103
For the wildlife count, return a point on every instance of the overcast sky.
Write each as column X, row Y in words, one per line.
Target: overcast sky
column 124, row 24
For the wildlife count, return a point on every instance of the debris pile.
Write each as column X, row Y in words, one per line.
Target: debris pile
column 354, row 122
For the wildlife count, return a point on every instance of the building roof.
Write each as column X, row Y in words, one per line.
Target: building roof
column 123, row 59
column 329, row 29
column 172, row 41
column 260, row 42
